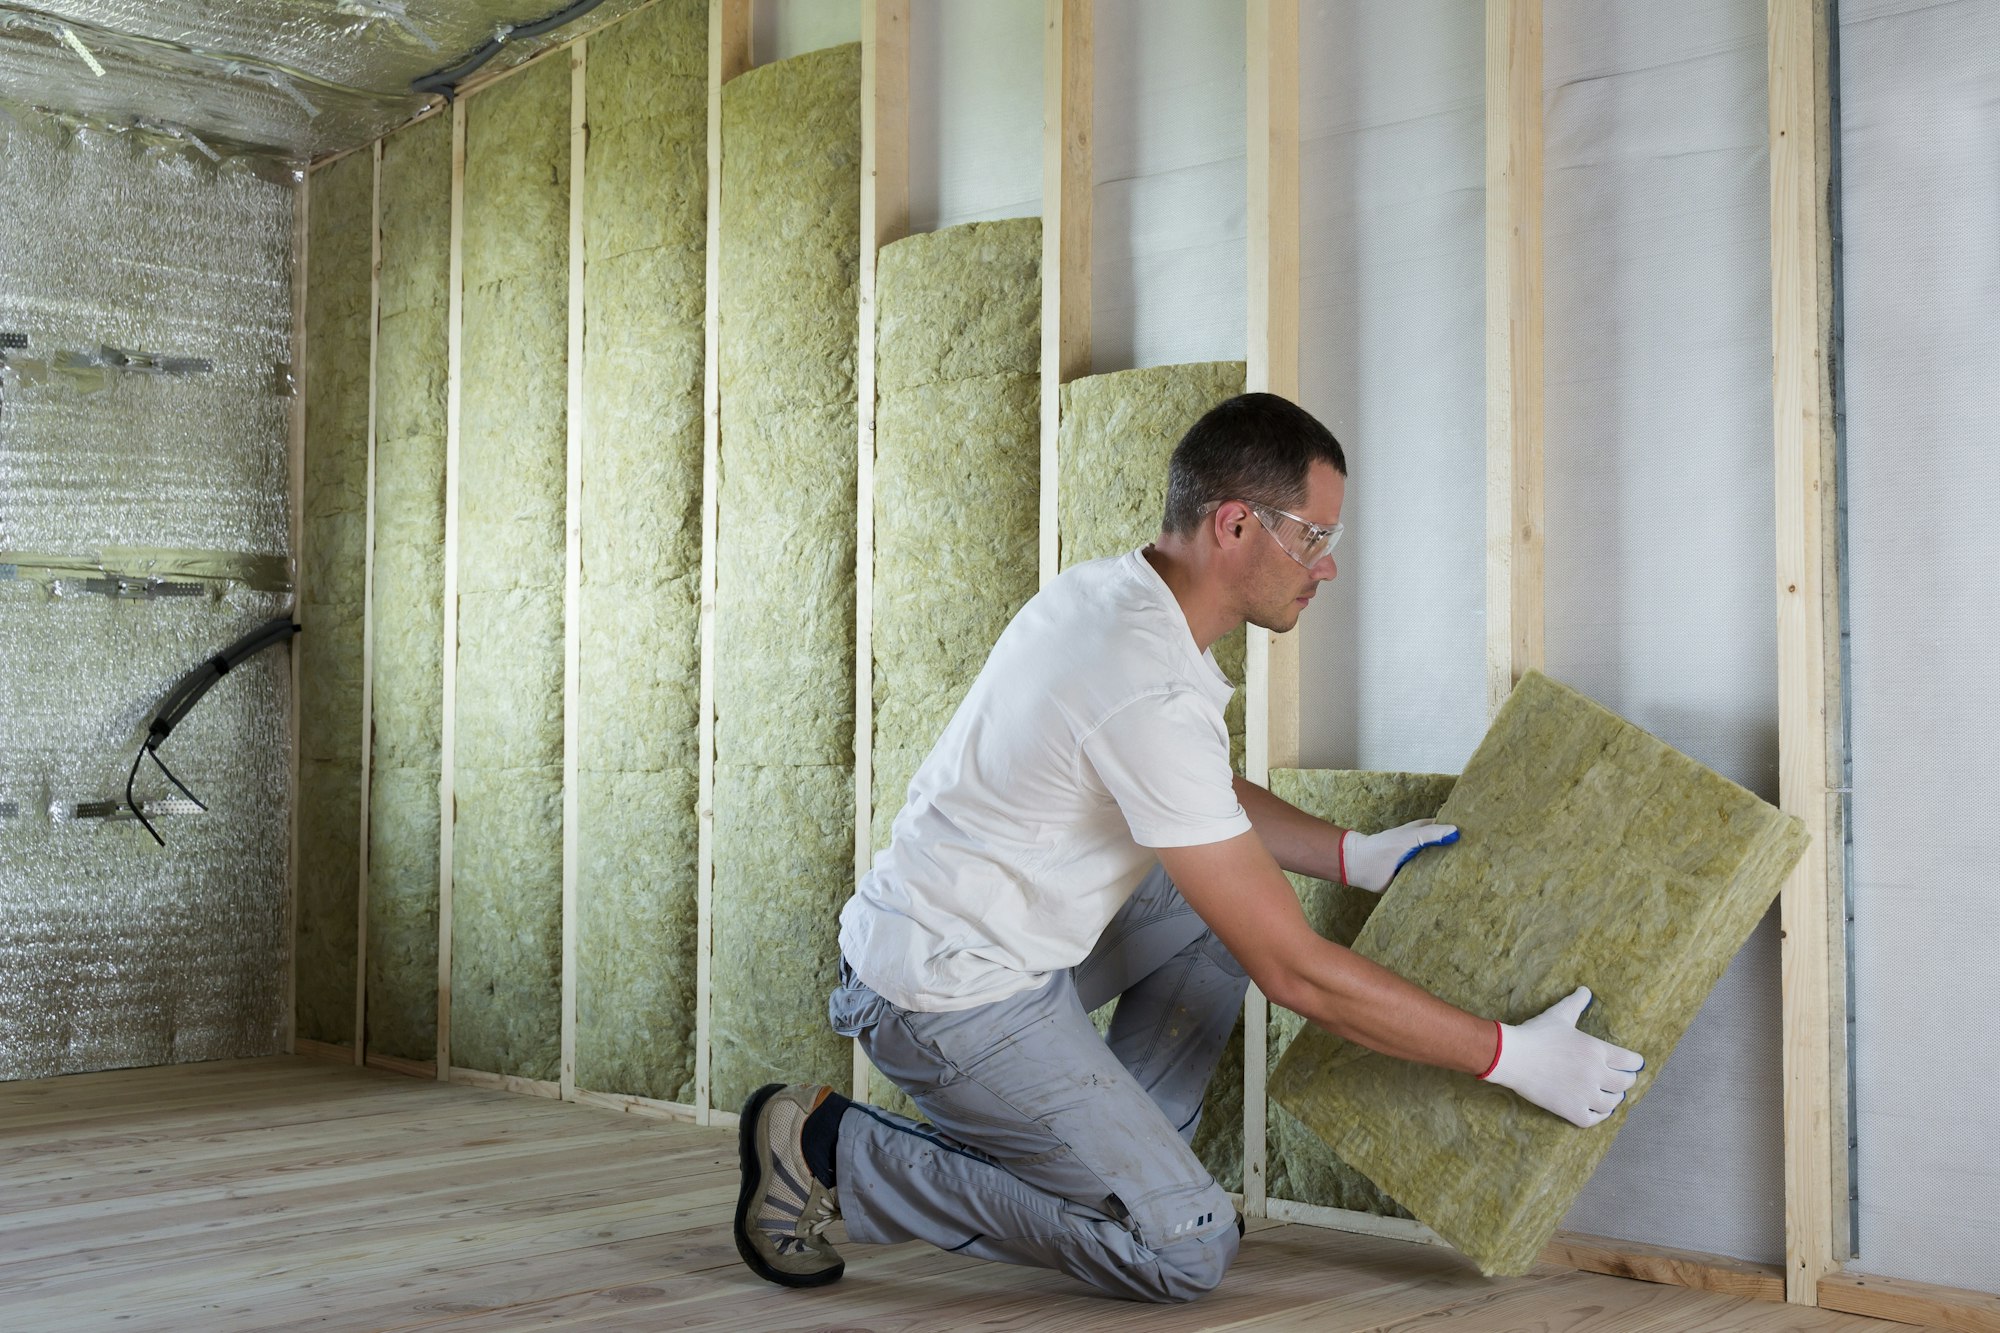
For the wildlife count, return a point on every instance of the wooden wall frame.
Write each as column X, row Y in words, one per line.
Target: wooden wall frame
column 1067, row 185
column 1271, row 662
column 579, row 139
column 1513, row 344
column 296, row 482
column 885, row 217
column 368, row 604
column 1812, row 906
column 448, row 722
column 728, row 56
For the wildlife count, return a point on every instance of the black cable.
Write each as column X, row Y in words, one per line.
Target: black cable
column 130, row 778
column 185, row 694
column 446, row 81
column 176, row 781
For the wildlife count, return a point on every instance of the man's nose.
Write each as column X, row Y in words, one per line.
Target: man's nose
column 1323, row 569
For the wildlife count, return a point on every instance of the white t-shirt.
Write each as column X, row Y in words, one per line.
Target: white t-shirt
column 1094, row 732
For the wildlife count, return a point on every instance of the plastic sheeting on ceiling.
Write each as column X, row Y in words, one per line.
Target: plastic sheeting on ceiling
column 299, row 76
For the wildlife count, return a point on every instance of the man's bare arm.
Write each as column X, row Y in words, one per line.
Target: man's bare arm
column 1235, row 886
column 1303, row 844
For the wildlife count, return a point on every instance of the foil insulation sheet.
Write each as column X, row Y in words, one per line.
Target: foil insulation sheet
column 113, row 247
column 115, row 951
column 301, row 78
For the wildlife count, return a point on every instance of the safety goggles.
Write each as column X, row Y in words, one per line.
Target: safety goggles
column 1304, row 542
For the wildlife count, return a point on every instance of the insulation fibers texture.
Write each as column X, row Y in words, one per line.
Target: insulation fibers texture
column 1919, row 181
column 115, row 952
column 957, row 484
column 1661, row 544
column 784, row 621
column 1592, row 854
column 408, row 602
column 333, row 594
column 1118, row 431
column 1301, row 1166
column 513, row 492
column 645, row 237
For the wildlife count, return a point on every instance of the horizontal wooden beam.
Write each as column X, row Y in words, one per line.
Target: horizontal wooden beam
column 526, row 1087
column 1933, row 1306
column 323, row 1050
column 650, row 1107
column 395, row 1064
column 1675, row 1268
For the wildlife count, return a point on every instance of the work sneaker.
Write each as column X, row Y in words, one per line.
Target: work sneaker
column 783, row 1208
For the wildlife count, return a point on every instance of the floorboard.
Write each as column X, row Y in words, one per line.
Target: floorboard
column 287, row 1194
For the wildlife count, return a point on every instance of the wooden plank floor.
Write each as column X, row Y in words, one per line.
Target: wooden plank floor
column 283, row 1193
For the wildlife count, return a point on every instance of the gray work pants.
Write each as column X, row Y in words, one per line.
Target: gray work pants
column 1050, row 1144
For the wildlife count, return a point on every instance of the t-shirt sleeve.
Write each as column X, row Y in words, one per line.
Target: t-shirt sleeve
column 1165, row 759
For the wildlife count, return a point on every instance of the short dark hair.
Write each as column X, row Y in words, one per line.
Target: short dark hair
column 1255, row 447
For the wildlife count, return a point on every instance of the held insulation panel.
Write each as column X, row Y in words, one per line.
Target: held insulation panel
column 1592, row 854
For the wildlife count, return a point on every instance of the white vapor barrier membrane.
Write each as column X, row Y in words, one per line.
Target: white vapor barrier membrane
column 113, row 951
column 781, row 29
column 1392, row 359
column 1920, row 185
column 1660, row 546
column 1168, row 232
column 975, row 111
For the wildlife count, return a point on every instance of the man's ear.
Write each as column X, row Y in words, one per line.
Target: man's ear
column 1231, row 519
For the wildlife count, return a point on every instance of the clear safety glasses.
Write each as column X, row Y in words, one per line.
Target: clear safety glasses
column 1304, row 542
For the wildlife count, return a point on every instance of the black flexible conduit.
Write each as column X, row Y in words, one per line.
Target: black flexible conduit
column 445, row 81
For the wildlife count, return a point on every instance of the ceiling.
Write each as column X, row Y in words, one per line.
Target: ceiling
column 299, row 77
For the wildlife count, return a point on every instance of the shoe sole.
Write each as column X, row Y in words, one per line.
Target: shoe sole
column 753, row 1190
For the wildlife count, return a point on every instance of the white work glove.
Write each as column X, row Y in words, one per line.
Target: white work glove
column 1568, row 1073
column 1370, row 860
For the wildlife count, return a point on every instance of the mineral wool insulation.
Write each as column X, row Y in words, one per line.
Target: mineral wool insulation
column 513, row 488
column 1592, row 854
column 784, row 621
column 957, row 483
column 115, row 952
column 1118, row 431
column 645, row 236
column 333, row 539
column 408, row 663
column 1298, row 1165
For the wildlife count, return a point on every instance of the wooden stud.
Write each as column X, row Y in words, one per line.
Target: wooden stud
column 301, row 243
column 1656, row 1263
column 1342, row 1219
column 1922, row 1303
column 1513, row 343
column 1066, row 211
column 579, row 134
column 331, row 1051
column 448, row 723
column 1801, row 393
column 526, row 1087
column 368, row 607
column 1271, row 666
column 885, row 217
column 728, row 56
column 650, row 1107
column 395, row 1064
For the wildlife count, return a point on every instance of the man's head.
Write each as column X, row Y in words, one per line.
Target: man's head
column 1254, row 487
